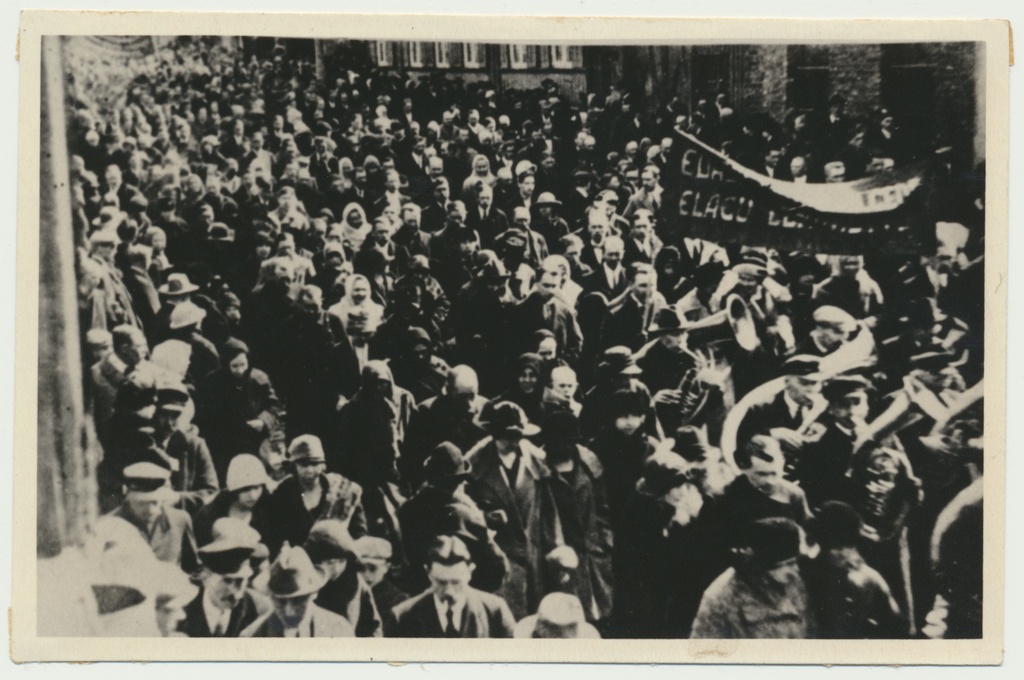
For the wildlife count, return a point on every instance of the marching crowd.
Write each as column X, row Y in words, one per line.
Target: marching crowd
column 372, row 355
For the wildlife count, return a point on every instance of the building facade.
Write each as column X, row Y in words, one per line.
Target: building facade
column 931, row 88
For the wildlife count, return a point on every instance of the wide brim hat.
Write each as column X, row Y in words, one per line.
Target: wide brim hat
column 293, row 574
column 177, row 284
column 505, row 417
column 186, row 314
column 547, row 199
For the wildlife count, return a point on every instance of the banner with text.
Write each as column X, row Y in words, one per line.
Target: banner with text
column 723, row 201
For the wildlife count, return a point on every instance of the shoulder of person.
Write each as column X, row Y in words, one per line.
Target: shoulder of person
column 328, row 624
column 258, row 376
column 403, row 608
column 590, row 460
column 178, row 517
column 256, row 627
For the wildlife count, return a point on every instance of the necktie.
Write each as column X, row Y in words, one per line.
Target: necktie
column 449, row 630
column 218, row 631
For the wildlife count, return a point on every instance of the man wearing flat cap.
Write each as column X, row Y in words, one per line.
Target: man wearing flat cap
column 374, row 554
column 450, row 607
column 785, row 414
column 195, row 478
column 294, row 583
column 167, row 530
column 821, row 464
column 833, row 328
column 510, row 483
column 226, row 605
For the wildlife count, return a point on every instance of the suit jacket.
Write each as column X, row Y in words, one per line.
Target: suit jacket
column 323, row 624
column 484, row 616
column 251, row 607
column 763, row 417
column 172, row 539
column 489, row 228
column 627, row 326
column 597, row 282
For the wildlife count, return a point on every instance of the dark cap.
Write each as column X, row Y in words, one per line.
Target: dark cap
column 802, row 364
column 844, row 385
column 172, row 397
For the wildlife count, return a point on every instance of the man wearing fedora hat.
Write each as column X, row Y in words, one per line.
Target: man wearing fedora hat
column 177, row 290
column 665, row 358
column 510, row 482
column 195, row 478
column 293, row 585
column 450, row 607
column 147, row 499
column 226, row 605
column 185, row 324
column 441, row 507
column 580, row 495
column 548, row 223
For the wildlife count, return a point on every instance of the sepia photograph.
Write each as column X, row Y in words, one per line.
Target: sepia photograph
column 370, row 335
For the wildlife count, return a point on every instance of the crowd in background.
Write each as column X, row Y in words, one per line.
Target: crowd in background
column 379, row 355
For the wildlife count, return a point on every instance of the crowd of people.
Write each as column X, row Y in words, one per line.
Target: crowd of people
column 373, row 355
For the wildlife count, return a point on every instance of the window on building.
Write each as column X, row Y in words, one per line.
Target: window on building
column 472, row 55
column 808, row 88
column 382, row 53
column 518, row 56
column 561, row 56
column 442, row 57
column 908, row 92
column 414, row 50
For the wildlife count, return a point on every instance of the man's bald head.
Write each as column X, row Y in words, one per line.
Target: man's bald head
column 462, row 380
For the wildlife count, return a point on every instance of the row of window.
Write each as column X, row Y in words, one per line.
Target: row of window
column 473, row 55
